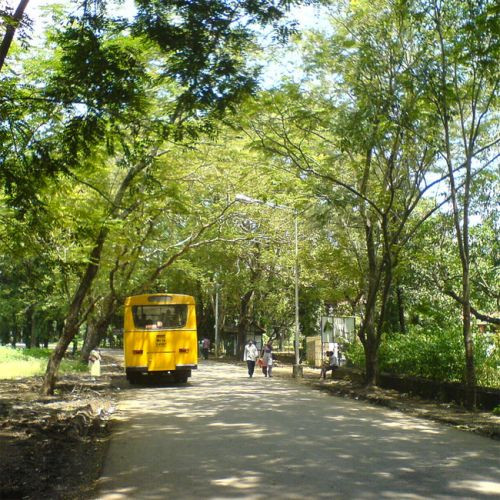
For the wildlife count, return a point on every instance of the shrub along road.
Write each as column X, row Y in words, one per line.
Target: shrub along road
column 224, row 435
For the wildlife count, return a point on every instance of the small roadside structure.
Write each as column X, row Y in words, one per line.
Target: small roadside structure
column 229, row 336
column 334, row 330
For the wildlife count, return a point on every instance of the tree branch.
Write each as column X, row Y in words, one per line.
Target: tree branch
column 474, row 311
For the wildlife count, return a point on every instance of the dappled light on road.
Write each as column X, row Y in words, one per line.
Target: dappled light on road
column 474, row 487
column 224, row 435
column 246, row 482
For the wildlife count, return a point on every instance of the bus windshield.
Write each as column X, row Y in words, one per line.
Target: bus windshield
column 160, row 317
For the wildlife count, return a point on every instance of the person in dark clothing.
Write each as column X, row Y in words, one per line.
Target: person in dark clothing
column 205, row 347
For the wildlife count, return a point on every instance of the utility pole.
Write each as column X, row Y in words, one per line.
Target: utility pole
column 297, row 371
column 297, row 367
column 216, row 319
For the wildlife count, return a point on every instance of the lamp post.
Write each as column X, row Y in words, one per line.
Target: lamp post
column 297, row 367
column 216, row 326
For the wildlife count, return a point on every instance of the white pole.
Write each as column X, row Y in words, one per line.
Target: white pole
column 297, row 371
column 216, row 320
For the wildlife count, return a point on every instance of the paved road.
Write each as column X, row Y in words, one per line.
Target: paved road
column 224, row 436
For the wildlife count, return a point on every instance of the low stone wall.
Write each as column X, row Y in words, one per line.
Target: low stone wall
column 286, row 358
column 487, row 398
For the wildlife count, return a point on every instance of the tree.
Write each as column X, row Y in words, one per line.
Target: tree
column 462, row 84
column 363, row 136
column 12, row 22
column 104, row 78
column 101, row 76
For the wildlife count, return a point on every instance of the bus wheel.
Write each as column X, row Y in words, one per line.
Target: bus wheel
column 133, row 378
column 181, row 378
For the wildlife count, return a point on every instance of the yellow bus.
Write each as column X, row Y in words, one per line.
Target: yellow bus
column 159, row 336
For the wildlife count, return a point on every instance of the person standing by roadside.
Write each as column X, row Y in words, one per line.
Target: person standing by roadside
column 95, row 362
column 267, row 360
column 205, row 347
column 250, row 355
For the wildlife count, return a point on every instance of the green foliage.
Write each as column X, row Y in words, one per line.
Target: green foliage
column 106, row 94
column 355, row 354
column 496, row 410
column 433, row 353
column 35, row 353
column 487, row 359
column 98, row 71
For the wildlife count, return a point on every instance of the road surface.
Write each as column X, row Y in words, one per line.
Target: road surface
column 225, row 436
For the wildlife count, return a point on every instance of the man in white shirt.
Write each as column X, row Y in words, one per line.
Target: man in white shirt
column 250, row 356
column 332, row 364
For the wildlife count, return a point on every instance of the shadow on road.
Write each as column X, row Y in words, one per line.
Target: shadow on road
column 226, row 436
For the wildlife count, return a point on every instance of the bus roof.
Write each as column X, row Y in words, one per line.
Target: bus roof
column 159, row 298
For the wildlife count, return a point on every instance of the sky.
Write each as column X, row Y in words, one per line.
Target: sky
column 282, row 63
column 308, row 15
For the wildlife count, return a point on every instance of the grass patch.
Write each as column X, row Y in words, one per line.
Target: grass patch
column 16, row 363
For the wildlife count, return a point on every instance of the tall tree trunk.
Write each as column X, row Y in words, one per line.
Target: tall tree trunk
column 367, row 337
column 367, row 333
column 98, row 328
column 401, row 310
column 461, row 230
column 11, row 30
column 373, row 325
column 72, row 322
column 244, row 320
column 13, row 339
column 28, row 321
column 73, row 318
column 470, row 369
column 367, row 329
column 371, row 360
column 33, row 329
column 91, row 339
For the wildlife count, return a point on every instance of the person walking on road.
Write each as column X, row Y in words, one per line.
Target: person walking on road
column 205, row 347
column 267, row 360
column 250, row 355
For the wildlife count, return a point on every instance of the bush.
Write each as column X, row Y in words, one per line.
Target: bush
column 355, row 354
column 487, row 357
column 15, row 364
column 436, row 354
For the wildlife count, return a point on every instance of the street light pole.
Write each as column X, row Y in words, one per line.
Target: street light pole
column 216, row 320
column 296, row 292
column 297, row 367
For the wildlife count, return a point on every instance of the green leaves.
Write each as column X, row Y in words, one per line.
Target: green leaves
column 99, row 70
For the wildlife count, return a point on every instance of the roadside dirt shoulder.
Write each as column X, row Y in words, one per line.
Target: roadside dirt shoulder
column 347, row 384
column 54, row 446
